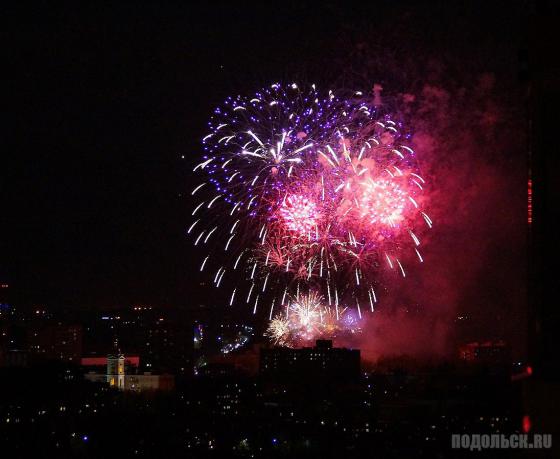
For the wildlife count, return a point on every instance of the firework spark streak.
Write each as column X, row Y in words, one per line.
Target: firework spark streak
column 305, row 319
column 307, row 188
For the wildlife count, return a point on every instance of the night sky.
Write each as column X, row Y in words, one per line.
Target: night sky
column 106, row 100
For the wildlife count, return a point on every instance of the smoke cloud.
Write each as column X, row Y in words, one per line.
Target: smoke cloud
column 470, row 143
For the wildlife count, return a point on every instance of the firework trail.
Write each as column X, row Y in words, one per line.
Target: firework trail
column 303, row 188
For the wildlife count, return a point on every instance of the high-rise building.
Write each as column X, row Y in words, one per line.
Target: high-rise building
column 321, row 361
column 543, row 88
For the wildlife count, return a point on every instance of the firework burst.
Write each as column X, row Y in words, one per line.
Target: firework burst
column 306, row 188
column 305, row 319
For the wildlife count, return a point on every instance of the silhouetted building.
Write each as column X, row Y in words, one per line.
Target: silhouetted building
column 56, row 341
column 543, row 193
column 14, row 358
column 323, row 360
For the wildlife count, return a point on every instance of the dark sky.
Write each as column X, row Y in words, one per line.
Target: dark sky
column 105, row 100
